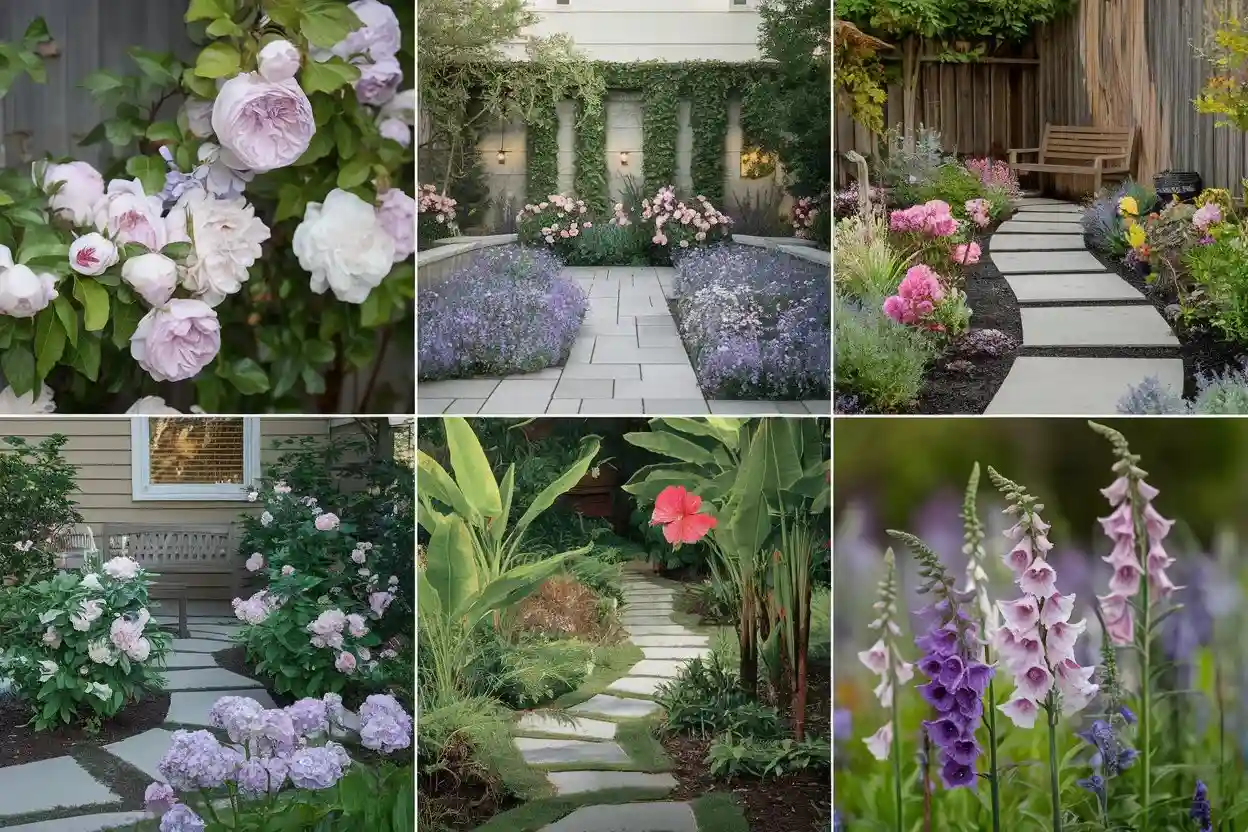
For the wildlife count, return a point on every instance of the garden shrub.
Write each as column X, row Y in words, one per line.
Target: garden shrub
column 1216, row 265
column 878, row 360
column 1102, row 221
column 554, row 223
column 314, row 629
column 36, row 483
column 1222, row 393
column 674, row 225
column 898, row 165
column 996, row 175
column 867, row 265
column 81, row 646
column 435, row 217
column 527, row 670
column 702, row 697
column 755, row 323
column 507, row 312
column 605, row 245
column 956, row 185
column 759, row 214
column 735, row 756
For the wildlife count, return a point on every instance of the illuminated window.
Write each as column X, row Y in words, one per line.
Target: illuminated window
column 193, row 458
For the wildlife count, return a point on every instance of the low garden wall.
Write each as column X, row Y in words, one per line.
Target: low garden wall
column 451, row 254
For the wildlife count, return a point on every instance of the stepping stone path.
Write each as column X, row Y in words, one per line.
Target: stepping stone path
column 628, row 358
column 588, row 757
column 62, row 785
column 1069, row 302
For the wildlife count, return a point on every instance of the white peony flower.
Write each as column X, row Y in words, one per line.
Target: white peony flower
column 101, row 652
column 344, row 246
column 122, row 568
column 23, row 292
column 92, row 254
column 128, row 215
column 81, row 188
column 47, row 669
column 13, row 404
column 227, row 235
column 266, row 519
column 99, row 689
column 52, row 638
column 153, row 276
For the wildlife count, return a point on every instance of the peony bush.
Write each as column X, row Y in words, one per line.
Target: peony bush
column 315, row 628
column 274, row 206
column 82, row 645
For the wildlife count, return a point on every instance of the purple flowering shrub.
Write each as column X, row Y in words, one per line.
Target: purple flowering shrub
column 82, row 645
column 314, row 629
column 509, row 311
column 280, row 749
column 756, row 323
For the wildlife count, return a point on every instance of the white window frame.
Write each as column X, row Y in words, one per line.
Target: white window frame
column 142, row 488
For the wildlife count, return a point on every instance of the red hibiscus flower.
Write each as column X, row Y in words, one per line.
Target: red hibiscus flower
column 676, row 510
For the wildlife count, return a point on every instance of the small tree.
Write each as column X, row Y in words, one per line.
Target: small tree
column 35, row 506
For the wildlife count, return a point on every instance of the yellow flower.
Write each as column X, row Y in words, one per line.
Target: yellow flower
column 1135, row 235
column 1128, row 206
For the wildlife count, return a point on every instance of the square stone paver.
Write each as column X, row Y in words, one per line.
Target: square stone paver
column 573, row 726
column 641, row 355
column 433, row 407
column 1054, row 206
column 819, row 408
column 644, row 618
column 612, row 407
column 675, row 407
column 602, row 371
column 1045, row 262
column 1078, row 386
column 198, row 645
column 464, row 407
column 615, row 707
column 639, row 685
column 520, row 397
column 690, row 640
column 466, row 388
column 564, row 406
column 663, row 668
column 1096, row 326
column 1071, row 286
column 631, row 817
column 1050, row 213
column 190, row 660
column 538, row 751
column 48, row 784
column 1023, row 227
column 143, row 751
column 1038, row 242
column 216, row 678
column 577, row 782
column 656, row 629
column 585, row 388
column 191, row 707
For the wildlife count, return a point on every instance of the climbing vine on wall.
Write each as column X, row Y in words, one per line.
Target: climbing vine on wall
column 590, row 182
column 542, row 153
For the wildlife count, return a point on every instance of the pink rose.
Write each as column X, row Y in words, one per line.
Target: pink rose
column 128, row 215
column 378, row 602
column 326, row 522
column 153, row 276
column 176, row 341
column 255, row 563
column 81, row 188
column 378, row 81
column 379, row 36
column 92, row 254
column 895, row 308
column 345, row 663
column 262, row 125
column 396, row 212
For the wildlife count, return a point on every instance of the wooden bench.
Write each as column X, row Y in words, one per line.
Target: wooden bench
column 186, row 561
column 1094, row 151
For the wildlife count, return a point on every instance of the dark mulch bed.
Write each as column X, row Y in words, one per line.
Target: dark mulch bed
column 459, row 799
column 797, row 802
column 1203, row 350
column 965, row 384
column 23, row 744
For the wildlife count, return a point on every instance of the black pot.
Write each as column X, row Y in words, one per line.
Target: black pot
column 1184, row 184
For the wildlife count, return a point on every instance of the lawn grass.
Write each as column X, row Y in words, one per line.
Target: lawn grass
column 611, row 663
column 637, row 738
column 719, row 812
column 534, row 815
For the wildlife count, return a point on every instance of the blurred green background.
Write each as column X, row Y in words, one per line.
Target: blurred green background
column 896, row 465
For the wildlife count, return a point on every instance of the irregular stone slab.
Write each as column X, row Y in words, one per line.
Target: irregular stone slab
column 1038, row 242
column 84, row 823
column 224, row 640
column 198, row 645
column 538, row 751
column 1072, row 286
column 190, row 660
column 1096, row 326
column 143, row 751
column 640, row 618
column 615, row 707
column 578, row 782
column 1083, row 386
column 628, row 817
column 570, row 726
column 1024, row 227
column 640, row 685
column 1051, row 213
column 191, row 707
column 1039, row 200
column 676, row 652
column 49, row 784
column 690, row 640
column 216, row 678
column 1054, row 207
column 657, row 630
column 1019, row 262
column 657, row 667
column 655, row 607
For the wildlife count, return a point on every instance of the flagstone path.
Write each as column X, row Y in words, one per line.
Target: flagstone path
column 577, row 747
column 628, row 358
column 63, row 788
column 1071, row 304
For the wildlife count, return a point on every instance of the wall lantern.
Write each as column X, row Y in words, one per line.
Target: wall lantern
column 624, row 158
column 502, row 157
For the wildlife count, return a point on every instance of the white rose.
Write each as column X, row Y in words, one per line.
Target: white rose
column 263, row 125
column 47, row 669
column 395, row 130
column 92, row 254
column 279, row 60
column 82, row 187
column 13, row 404
column 227, row 236
column 23, row 293
column 128, row 215
column 153, row 275
column 344, row 247
column 198, row 113
column 402, row 107
column 266, row 519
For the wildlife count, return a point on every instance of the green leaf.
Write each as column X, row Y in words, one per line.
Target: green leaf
column 223, row 27
column 208, row 9
column 291, row 202
column 18, row 366
column 329, row 76
column 86, row 358
column 354, row 172
column 669, row 444
column 375, row 310
column 164, row 131
column 160, row 68
column 121, row 132
column 248, row 377
column 33, row 247
column 451, row 566
column 177, row 251
column 150, row 170
column 103, row 81
column 471, row 467
column 36, row 33
column 68, row 316
column 325, row 23
column 218, row 60
column 566, row 481
column 94, row 300
column 49, row 342
column 320, row 146
column 318, row 352
column 347, row 139
column 5, row 199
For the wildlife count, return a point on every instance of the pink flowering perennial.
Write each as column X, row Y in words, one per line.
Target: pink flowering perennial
column 916, row 297
column 884, row 659
column 931, row 219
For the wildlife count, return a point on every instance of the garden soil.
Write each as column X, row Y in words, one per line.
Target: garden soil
column 23, row 744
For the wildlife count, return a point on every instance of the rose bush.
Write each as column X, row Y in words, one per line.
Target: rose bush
column 81, row 645
column 36, row 507
column 555, row 222
column 272, row 206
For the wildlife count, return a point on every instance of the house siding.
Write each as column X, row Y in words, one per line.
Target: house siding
column 100, row 449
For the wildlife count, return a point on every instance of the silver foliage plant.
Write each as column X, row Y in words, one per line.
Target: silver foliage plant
column 1218, row 393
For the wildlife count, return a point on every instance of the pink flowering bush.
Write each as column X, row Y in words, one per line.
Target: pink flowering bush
column 673, row 225
column 435, row 216
column 83, row 645
column 931, row 219
column 802, row 216
column 996, row 174
column 916, row 297
column 555, row 222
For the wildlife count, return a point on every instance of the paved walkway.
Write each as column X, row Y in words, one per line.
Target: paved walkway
column 1070, row 304
column 628, row 358
column 580, row 742
column 61, row 786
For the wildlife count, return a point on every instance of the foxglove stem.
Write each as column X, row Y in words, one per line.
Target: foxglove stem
column 993, row 779
column 1054, row 787
column 1146, row 644
column 897, row 748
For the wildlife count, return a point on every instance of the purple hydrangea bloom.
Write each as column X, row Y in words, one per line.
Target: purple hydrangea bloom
column 384, row 725
column 756, row 323
column 236, row 714
column 159, row 798
column 309, row 716
column 315, row 768
column 262, row 775
column 196, row 760
column 509, row 311
column 181, row 818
